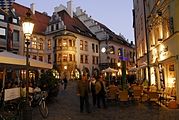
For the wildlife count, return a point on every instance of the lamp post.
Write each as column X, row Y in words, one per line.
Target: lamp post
column 27, row 26
column 123, row 65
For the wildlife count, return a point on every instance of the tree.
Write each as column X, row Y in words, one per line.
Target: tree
column 49, row 83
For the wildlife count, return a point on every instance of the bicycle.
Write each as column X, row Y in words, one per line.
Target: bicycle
column 40, row 100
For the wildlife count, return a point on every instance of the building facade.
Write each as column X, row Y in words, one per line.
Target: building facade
column 70, row 44
column 112, row 46
column 140, row 40
column 9, row 31
column 162, row 28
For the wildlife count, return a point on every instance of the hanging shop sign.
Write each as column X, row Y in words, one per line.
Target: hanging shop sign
column 163, row 52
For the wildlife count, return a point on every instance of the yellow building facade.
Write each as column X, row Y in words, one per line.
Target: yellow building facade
column 163, row 34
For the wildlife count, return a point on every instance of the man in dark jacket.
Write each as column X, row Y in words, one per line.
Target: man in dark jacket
column 100, row 91
column 92, row 85
column 82, row 91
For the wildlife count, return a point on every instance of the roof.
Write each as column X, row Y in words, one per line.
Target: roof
column 40, row 20
column 73, row 24
column 113, row 36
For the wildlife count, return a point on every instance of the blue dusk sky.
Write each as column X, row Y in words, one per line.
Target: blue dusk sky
column 115, row 14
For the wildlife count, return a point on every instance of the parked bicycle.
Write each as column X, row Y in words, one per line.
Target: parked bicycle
column 39, row 99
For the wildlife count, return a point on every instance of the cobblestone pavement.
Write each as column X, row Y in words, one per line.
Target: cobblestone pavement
column 66, row 107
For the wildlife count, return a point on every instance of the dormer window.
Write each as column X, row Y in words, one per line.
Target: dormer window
column 1, row 17
column 14, row 20
column 57, row 26
column 52, row 28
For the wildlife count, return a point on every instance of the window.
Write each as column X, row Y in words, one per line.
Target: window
column 2, row 33
column 96, row 60
column 1, row 17
column 59, row 57
column 57, row 26
column 70, row 57
column 16, row 35
column 81, row 45
column 41, row 58
column 93, row 47
column 93, row 59
column 49, row 58
column 111, row 50
column 120, row 51
column 14, row 20
column 96, row 48
column 52, row 28
column 74, row 58
column 65, row 57
column 86, row 46
column 59, row 42
column 34, row 57
column 34, row 44
column 86, row 58
column 40, row 46
column 64, row 43
column 81, row 58
column 73, row 42
column 125, row 53
column 49, row 44
column 70, row 43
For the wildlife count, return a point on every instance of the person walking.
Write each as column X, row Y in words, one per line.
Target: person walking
column 82, row 91
column 65, row 81
column 92, row 84
column 100, row 91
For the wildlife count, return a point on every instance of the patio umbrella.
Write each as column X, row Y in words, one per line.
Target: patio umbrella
column 109, row 70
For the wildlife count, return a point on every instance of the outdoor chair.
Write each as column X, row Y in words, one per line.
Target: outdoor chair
column 123, row 96
column 137, row 94
column 112, row 94
column 153, row 97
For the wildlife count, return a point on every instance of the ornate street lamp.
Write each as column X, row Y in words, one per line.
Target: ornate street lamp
column 27, row 26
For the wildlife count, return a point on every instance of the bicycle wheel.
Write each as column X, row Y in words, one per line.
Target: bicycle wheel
column 43, row 109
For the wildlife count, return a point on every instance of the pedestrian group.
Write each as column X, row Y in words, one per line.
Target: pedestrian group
column 94, row 86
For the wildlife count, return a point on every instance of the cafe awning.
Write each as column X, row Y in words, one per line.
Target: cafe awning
column 8, row 58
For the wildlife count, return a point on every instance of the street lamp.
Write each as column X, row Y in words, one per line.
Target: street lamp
column 27, row 26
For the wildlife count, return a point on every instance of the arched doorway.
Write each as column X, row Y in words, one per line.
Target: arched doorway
column 75, row 74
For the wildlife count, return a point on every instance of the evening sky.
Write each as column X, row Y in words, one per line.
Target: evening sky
column 115, row 14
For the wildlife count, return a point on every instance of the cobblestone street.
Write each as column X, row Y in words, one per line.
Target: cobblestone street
column 66, row 107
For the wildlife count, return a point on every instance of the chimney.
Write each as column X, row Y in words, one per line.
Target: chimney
column 69, row 8
column 132, row 43
column 32, row 8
